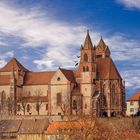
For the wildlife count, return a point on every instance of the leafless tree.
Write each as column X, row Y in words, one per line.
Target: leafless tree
column 22, row 100
column 9, row 105
column 38, row 101
column 3, row 103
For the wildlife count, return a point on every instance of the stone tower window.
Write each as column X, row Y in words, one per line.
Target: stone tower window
column 84, row 69
column 59, row 99
column 46, row 106
column 87, row 68
column 85, row 57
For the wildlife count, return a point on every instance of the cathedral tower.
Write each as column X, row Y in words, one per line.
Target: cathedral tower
column 88, row 73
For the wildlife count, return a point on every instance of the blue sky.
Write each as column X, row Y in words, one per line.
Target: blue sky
column 47, row 34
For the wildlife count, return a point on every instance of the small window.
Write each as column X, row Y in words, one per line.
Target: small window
column 85, row 57
column 58, row 79
column 28, row 108
column 131, row 109
column 46, row 106
column 59, row 99
column 97, row 75
column 37, row 107
column 85, row 106
column 18, row 108
column 84, row 69
column 59, row 113
column 131, row 103
column 94, row 81
column 87, row 68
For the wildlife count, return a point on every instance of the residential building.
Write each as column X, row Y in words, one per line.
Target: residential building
column 133, row 104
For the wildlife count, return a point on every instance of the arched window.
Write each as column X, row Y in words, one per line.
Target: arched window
column 113, row 93
column 74, row 104
column 3, row 98
column 37, row 107
column 85, row 57
column 28, row 107
column 46, row 106
column 59, row 99
column 84, row 69
column 87, row 68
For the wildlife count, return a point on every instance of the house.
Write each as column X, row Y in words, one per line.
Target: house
column 133, row 104
column 32, row 129
column 69, row 130
column 9, row 129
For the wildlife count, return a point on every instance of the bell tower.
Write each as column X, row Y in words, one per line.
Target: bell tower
column 87, row 61
column 87, row 69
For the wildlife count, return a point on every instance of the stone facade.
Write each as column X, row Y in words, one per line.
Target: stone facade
column 95, row 88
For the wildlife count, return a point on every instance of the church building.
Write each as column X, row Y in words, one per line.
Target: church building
column 94, row 88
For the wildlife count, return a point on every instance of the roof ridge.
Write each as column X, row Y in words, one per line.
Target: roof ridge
column 13, row 63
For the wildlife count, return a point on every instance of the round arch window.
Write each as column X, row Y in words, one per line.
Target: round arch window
column 85, row 57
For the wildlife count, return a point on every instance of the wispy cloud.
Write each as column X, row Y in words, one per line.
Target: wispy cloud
column 4, row 56
column 130, row 3
column 59, row 40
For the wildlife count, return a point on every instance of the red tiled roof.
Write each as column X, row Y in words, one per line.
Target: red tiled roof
column 107, row 69
column 77, row 73
column 135, row 97
column 55, row 126
column 69, row 75
column 13, row 63
column 9, row 126
column 33, row 126
column 38, row 78
column 4, row 79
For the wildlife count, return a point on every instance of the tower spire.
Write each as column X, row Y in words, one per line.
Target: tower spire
column 88, row 42
column 102, row 48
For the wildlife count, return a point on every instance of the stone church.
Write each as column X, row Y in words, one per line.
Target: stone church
column 94, row 88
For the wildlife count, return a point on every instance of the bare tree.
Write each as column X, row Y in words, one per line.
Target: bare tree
column 22, row 100
column 3, row 103
column 9, row 105
column 38, row 101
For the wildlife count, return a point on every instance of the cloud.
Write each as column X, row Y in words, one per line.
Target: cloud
column 130, row 3
column 123, row 48
column 59, row 41
column 4, row 56
column 132, row 78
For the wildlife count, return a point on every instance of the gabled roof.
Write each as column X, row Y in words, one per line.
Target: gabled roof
column 88, row 42
column 102, row 44
column 33, row 126
column 54, row 127
column 107, row 69
column 13, row 64
column 68, row 74
column 4, row 79
column 9, row 126
column 134, row 97
column 102, row 48
column 38, row 78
